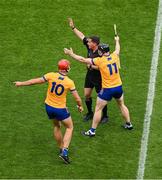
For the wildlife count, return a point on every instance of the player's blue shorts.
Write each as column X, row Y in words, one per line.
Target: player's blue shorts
column 57, row 113
column 108, row 93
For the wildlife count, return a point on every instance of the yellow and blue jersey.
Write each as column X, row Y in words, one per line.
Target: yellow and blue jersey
column 58, row 87
column 108, row 66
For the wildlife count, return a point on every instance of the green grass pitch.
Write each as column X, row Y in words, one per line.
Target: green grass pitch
column 33, row 35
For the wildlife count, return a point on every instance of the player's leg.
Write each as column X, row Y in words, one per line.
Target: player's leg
column 105, row 117
column 100, row 104
column 125, row 112
column 88, row 99
column 57, row 133
column 88, row 102
column 66, row 139
column 68, row 123
column 88, row 88
column 52, row 112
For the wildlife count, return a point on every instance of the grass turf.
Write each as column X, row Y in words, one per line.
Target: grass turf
column 34, row 34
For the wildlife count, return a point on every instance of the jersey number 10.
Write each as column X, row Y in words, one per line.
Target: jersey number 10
column 58, row 89
column 111, row 66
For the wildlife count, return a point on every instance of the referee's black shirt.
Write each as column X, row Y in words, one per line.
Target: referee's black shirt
column 92, row 72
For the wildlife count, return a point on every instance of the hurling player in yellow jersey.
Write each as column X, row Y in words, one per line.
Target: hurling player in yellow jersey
column 58, row 86
column 111, row 82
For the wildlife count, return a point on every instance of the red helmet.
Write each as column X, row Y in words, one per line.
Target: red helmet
column 64, row 65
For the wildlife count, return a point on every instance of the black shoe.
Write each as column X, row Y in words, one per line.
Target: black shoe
column 88, row 133
column 65, row 158
column 128, row 126
column 104, row 119
column 88, row 116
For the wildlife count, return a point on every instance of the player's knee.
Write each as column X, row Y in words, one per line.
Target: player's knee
column 87, row 97
column 70, row 126
column 120, row 102
column 122, row 106
column 87, row 94
column 98, row 107
column 57, row 128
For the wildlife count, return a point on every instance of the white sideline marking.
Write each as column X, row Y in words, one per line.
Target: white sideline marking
column 151, row 93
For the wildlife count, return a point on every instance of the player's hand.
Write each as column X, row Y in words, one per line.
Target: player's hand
column 17, row 83
column 116, row 38
column 80, row 108
column 89, row 66
column 68, row 51
column 71, row 23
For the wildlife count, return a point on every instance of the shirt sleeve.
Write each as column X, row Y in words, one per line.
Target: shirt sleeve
column 72, row 86
column 47, row 76
column 85, row 41
column 96, row 61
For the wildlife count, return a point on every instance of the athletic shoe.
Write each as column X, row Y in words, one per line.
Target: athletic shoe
column 65, row 158
column 104, row 119
column 128, row 126
column 88, row 133
column 88, row 116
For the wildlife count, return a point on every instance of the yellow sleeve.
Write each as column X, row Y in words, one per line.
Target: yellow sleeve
column 47, row 76
column 96, row 61
column 72, row 86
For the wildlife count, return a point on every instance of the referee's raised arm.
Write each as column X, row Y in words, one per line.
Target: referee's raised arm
column 79, row 34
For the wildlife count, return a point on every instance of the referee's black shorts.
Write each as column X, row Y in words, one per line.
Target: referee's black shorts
column 93, row 80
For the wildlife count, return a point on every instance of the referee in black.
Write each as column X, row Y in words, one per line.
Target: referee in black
column 93, row 76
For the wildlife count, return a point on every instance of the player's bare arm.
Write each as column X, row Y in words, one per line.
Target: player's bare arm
column 77, row 57
column 78, row 100
column 79, row 34
column 29, row 82
column 117, row 45
column 93, row 67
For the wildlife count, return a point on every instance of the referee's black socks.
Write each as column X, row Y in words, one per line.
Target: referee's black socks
column 88, row 102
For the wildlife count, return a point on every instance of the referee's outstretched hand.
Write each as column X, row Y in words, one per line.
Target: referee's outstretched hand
column 68, row 51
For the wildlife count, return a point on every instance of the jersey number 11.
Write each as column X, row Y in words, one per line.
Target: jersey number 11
column 111, row 66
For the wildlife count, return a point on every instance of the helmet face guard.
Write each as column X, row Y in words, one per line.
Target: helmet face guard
column 103, row 48
column 100, row 52
column 68, row 70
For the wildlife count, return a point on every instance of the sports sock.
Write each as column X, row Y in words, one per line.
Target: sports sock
column 93, row 130
column 65, row 151
column 88, row 102
column 128, row 123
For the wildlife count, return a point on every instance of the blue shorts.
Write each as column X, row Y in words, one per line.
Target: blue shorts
column 108, row 93
column 57, row 113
